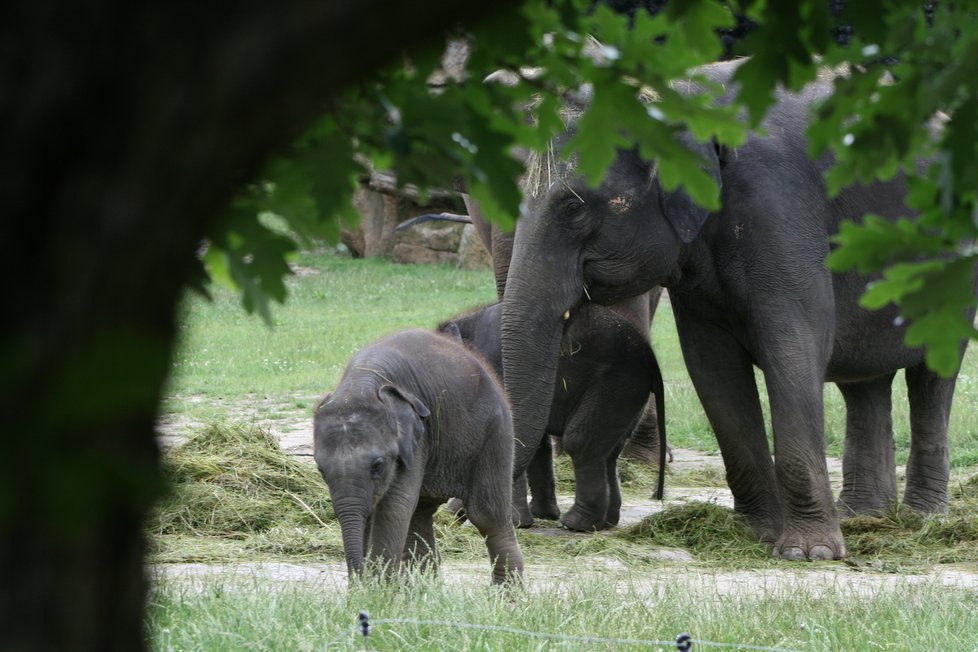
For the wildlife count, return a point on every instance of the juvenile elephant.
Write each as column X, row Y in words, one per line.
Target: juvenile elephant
column 605, row 375
column 749, row 287
column 416, row 419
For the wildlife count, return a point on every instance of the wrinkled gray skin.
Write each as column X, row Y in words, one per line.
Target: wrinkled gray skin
column 605, row 375
column 749, row 287
column 417, row 419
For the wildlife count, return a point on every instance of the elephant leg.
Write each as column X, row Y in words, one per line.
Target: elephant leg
column 928, row 467
column 643, row 444
column 419, row 548
column 488, row 505
column 723, row 376
column 794, row 371
column 504, row 550
column 591, row 496
column 543, row 486
column 868, row 464
column 521, row 514
column 389, row 526
column 592, row 439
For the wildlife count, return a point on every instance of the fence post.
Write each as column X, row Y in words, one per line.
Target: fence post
column 364, row 617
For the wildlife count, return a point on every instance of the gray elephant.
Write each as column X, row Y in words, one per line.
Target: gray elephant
column 605, row 375
column 416, row 419
column 749, row 287
column 643, row 445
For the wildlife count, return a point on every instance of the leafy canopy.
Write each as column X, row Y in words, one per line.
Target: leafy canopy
column 909, row 66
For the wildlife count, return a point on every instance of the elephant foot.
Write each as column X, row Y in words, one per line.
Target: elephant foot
column 766, row 528
column 926, row 501
column 849, row 505
column 802, row 546
column 579, row 520
column 546, row 508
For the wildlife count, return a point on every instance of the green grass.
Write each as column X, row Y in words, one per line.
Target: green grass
column 586, row 611
column 229, row 365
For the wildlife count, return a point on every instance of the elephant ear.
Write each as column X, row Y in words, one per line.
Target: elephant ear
column 408, row 413
column 686, row 216
column 451, row 329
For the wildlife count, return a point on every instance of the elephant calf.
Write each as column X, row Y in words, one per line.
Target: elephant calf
column 606, row 373
column 416, row 419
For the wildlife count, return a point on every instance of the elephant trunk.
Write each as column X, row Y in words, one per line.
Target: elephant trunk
column 352, row 515
column 543, row 286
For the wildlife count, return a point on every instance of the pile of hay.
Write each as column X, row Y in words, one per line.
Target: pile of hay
column 235, row 481
column 707, row 530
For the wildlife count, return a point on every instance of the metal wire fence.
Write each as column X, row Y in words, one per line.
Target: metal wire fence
column 683, row 642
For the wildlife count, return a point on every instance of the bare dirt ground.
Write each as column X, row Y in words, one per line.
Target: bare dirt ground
column 295, row 437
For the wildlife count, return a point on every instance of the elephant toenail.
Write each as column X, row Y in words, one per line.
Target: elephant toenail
column 821, row 552
column 793, row 553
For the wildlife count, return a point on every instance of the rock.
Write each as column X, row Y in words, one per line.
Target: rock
column 439, row 236
column 472, row 254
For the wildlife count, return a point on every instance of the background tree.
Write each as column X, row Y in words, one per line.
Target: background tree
column 133, row 132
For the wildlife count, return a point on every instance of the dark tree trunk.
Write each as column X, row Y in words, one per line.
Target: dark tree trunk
column 124, row 129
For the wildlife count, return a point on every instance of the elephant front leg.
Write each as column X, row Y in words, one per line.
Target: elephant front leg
column 543, row 490
column 811, row 525
column 723, row 376
column 389, row 528
column 928, row 467
column 520, row 512
column 591, row 499
column 868, row 465
column 420, row 550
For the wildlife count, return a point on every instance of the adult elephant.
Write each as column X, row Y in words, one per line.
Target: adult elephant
column 748, row 287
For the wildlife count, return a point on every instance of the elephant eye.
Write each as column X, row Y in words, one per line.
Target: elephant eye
column 377, row 468
column 572, row 207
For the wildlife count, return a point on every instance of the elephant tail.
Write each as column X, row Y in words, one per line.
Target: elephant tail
column 660, row 415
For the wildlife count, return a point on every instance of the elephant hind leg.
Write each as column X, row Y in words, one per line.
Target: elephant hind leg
column 868, row 463
column 928, row 467
column 643, row 444
column 494, row 524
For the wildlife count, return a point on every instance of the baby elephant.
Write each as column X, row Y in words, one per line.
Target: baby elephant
column 417, row 419
column 605, row 376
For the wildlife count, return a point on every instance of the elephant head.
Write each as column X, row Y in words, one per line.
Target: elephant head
column 574, row 243
column 362, row 442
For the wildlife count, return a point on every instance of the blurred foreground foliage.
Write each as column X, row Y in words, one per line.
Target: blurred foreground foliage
column 910, row 71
